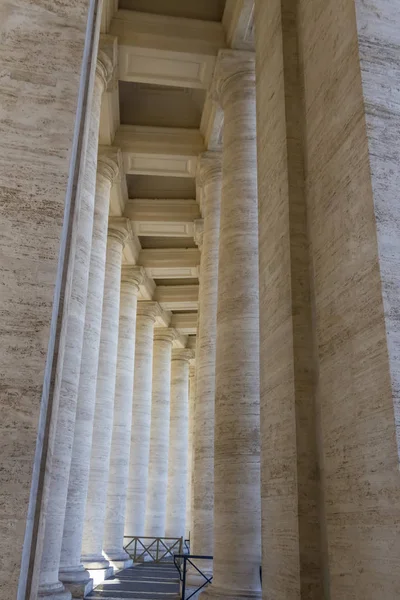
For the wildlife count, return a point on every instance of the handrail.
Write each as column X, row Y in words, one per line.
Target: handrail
column 182, row 572
column 158, row 549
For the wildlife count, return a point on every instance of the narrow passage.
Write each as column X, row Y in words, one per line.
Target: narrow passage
column 148, row 581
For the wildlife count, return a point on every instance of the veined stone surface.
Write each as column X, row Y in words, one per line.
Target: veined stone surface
column 141, row 419
column 159, row 436
column 104, row 413
column 38, row 95
column 132, row 277
column 178, row 443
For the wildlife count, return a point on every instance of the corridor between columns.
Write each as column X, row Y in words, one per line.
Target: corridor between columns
column 199, row 265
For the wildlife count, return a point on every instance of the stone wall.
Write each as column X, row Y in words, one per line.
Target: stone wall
column 39, row 98
column 360, row 476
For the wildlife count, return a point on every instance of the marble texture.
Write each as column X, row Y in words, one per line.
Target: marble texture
column 237, row 518
column 178, row 443
column 39, row 99
column 72, row 572
column 113, row 543
column 209, row 180
column 156, row 505
column 289, row 469
column 351, row 173
column 135, row 513
column 192, row 394
column 93, row 533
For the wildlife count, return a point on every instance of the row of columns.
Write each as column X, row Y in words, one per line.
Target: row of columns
column 119, row 465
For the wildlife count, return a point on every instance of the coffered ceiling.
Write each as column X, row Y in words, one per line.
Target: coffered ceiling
column 160, row 116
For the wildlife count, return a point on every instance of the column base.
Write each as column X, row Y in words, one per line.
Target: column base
column 54, row 591
column 91, row 562
column 119, row 559
column 77, row 580
column 100, row 575
column 212, row 592
column 120, row 565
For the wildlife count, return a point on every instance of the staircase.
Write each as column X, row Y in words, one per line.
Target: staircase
column 147, row 581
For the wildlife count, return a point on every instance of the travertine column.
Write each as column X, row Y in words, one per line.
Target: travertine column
column 192, row 375
column 72, row 572
column 141, row 418
column 178, row 443
column 118, row 231
column 237, row 521
column 121, row 438
column 201, row 534
column 159, row 434
column 62, row 453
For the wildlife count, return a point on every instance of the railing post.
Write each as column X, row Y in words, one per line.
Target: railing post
column 184, row 578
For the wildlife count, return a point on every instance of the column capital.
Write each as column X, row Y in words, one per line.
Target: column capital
column 209, row 168
column 148, row 308
column 107, row 59
column 234, row 73
column 133, row 275
column 192, row 368
column 198, row 232
column 166, row 334
column 120, row 229
column 109, row 160
column 185, row 354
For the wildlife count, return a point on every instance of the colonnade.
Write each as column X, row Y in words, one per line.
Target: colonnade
column 283, row 455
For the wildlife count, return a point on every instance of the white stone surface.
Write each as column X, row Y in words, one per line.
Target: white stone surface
column 209, row 180
column 192, row 392
column 62, row 455
column 141, row 419
column 178, row 443
column 237, row 519
column 121, row 437
column 159, row 434
column 72, row 572
column 103, row 422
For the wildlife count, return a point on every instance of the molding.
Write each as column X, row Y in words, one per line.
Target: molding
column 167, row 50
column 166, row 334
column 167, row 218
column 120, row 229
column 109, row 9
column 159, row 150
column 177, row 297
column 185, row 354
column 185, row 323
column 238, row 23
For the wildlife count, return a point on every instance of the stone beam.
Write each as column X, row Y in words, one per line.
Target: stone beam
column 177, row 297
column 173, row 263
column 166, row 50
column 186, row 323
column 158, row 217
column 238, row 23
column 168, row 151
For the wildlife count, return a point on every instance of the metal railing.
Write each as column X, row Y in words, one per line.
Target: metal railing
column 180, row 561
column 145, row 548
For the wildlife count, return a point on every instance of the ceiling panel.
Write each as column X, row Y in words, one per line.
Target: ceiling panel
column 207, row 10
column 149, row 186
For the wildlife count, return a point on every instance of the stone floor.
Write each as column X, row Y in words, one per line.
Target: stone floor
column 148, row 581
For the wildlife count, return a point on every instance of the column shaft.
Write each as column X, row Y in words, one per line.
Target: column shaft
column 178, row 444
column 103, row 421
column 159, row 435
column 121, row 437
column 237, row 520
column 201, row 535
column 141, row 419
column 74, row 330
column 72, row 571
column 192, row 389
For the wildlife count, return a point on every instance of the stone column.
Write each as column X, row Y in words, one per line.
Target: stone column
column 178, row 443
column 72, row 572
column 201, row 533
column 192, row 375
column 121, row 437
column 49, row 583
column 118, row 231
column 237, row 521
column 159, row 434
column 141, row 419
